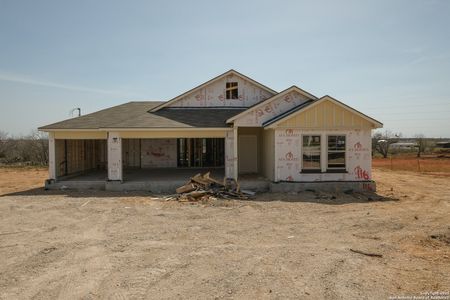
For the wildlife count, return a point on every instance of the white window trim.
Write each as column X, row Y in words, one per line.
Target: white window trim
column 324, row 148
column 345, row 151
column 321, row 150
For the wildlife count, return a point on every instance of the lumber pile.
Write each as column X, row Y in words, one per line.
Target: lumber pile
column 204, row 187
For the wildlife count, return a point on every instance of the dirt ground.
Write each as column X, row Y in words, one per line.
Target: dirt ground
column 100, row 245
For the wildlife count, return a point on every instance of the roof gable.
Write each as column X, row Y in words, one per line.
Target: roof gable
column 212, row 93
column 326, row 112
column 270, row 108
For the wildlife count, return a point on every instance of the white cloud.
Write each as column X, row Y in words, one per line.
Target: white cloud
column 19, row 78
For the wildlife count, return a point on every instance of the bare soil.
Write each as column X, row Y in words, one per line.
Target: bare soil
column 100, row 245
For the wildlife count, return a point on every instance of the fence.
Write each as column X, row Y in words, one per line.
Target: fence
column 414, row 164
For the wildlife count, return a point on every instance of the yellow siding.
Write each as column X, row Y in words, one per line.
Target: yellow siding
column 327, row 115
column 77, row 135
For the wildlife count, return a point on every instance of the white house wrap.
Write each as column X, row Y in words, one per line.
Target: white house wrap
column 230, row 124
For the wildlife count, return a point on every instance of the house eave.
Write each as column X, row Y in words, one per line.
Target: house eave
column 103, row 129
column 169, row 129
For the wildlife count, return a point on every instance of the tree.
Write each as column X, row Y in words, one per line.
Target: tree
column 38, row 147
column 382, row 140
column 3, row 143
column 421, row 143
column 30, row 149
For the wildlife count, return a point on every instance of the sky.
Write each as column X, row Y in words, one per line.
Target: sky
column 389, row 59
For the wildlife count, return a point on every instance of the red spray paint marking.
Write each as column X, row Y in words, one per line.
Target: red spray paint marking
column 361, row 174
column 157, row 153
column 367, row 187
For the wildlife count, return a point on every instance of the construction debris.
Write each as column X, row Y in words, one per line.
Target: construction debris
column 204, row 188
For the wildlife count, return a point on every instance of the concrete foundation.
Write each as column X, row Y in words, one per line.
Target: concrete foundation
column 166, row 181
column 51, row 184
column 325, row 186
column 158, row 187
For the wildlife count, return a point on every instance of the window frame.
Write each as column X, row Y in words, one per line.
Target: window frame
column 232, row 90
column 311, row 170
column 328, row 151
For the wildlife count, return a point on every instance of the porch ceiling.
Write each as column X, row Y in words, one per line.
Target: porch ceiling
column 174, row 133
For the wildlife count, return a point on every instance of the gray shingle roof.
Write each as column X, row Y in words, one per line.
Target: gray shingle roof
column 137, row 115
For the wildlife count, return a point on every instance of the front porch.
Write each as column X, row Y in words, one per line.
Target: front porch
column 158, row 161
column 156, row 180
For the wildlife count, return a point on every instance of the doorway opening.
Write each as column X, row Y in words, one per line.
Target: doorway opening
column 200, row 152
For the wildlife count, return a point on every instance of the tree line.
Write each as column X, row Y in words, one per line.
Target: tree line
column 382, row 142
column 31, row 149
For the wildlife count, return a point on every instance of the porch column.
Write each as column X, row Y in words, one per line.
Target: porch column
column 323, row 152
column 235, row 152
column 230, row 156
column 114, row 156
column 275, row 154
column 51, row 156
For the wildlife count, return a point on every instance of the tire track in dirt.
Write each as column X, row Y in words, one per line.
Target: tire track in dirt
column 329, row 278
column 89, row 263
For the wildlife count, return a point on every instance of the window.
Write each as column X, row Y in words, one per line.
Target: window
column 311, row 153
column 336, row 152
column 232, row 90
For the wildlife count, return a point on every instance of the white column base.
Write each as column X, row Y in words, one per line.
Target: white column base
column 114, row 156
column 235, row 154
column 51, row 156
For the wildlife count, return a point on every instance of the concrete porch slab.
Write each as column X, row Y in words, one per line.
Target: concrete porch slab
column 98, row 185
column 158, row 180
column 166, row 181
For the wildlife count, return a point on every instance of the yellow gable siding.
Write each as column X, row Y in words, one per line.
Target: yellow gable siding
column 326, row 115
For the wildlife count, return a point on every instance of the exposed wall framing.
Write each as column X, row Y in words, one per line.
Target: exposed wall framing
column 77, row 156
